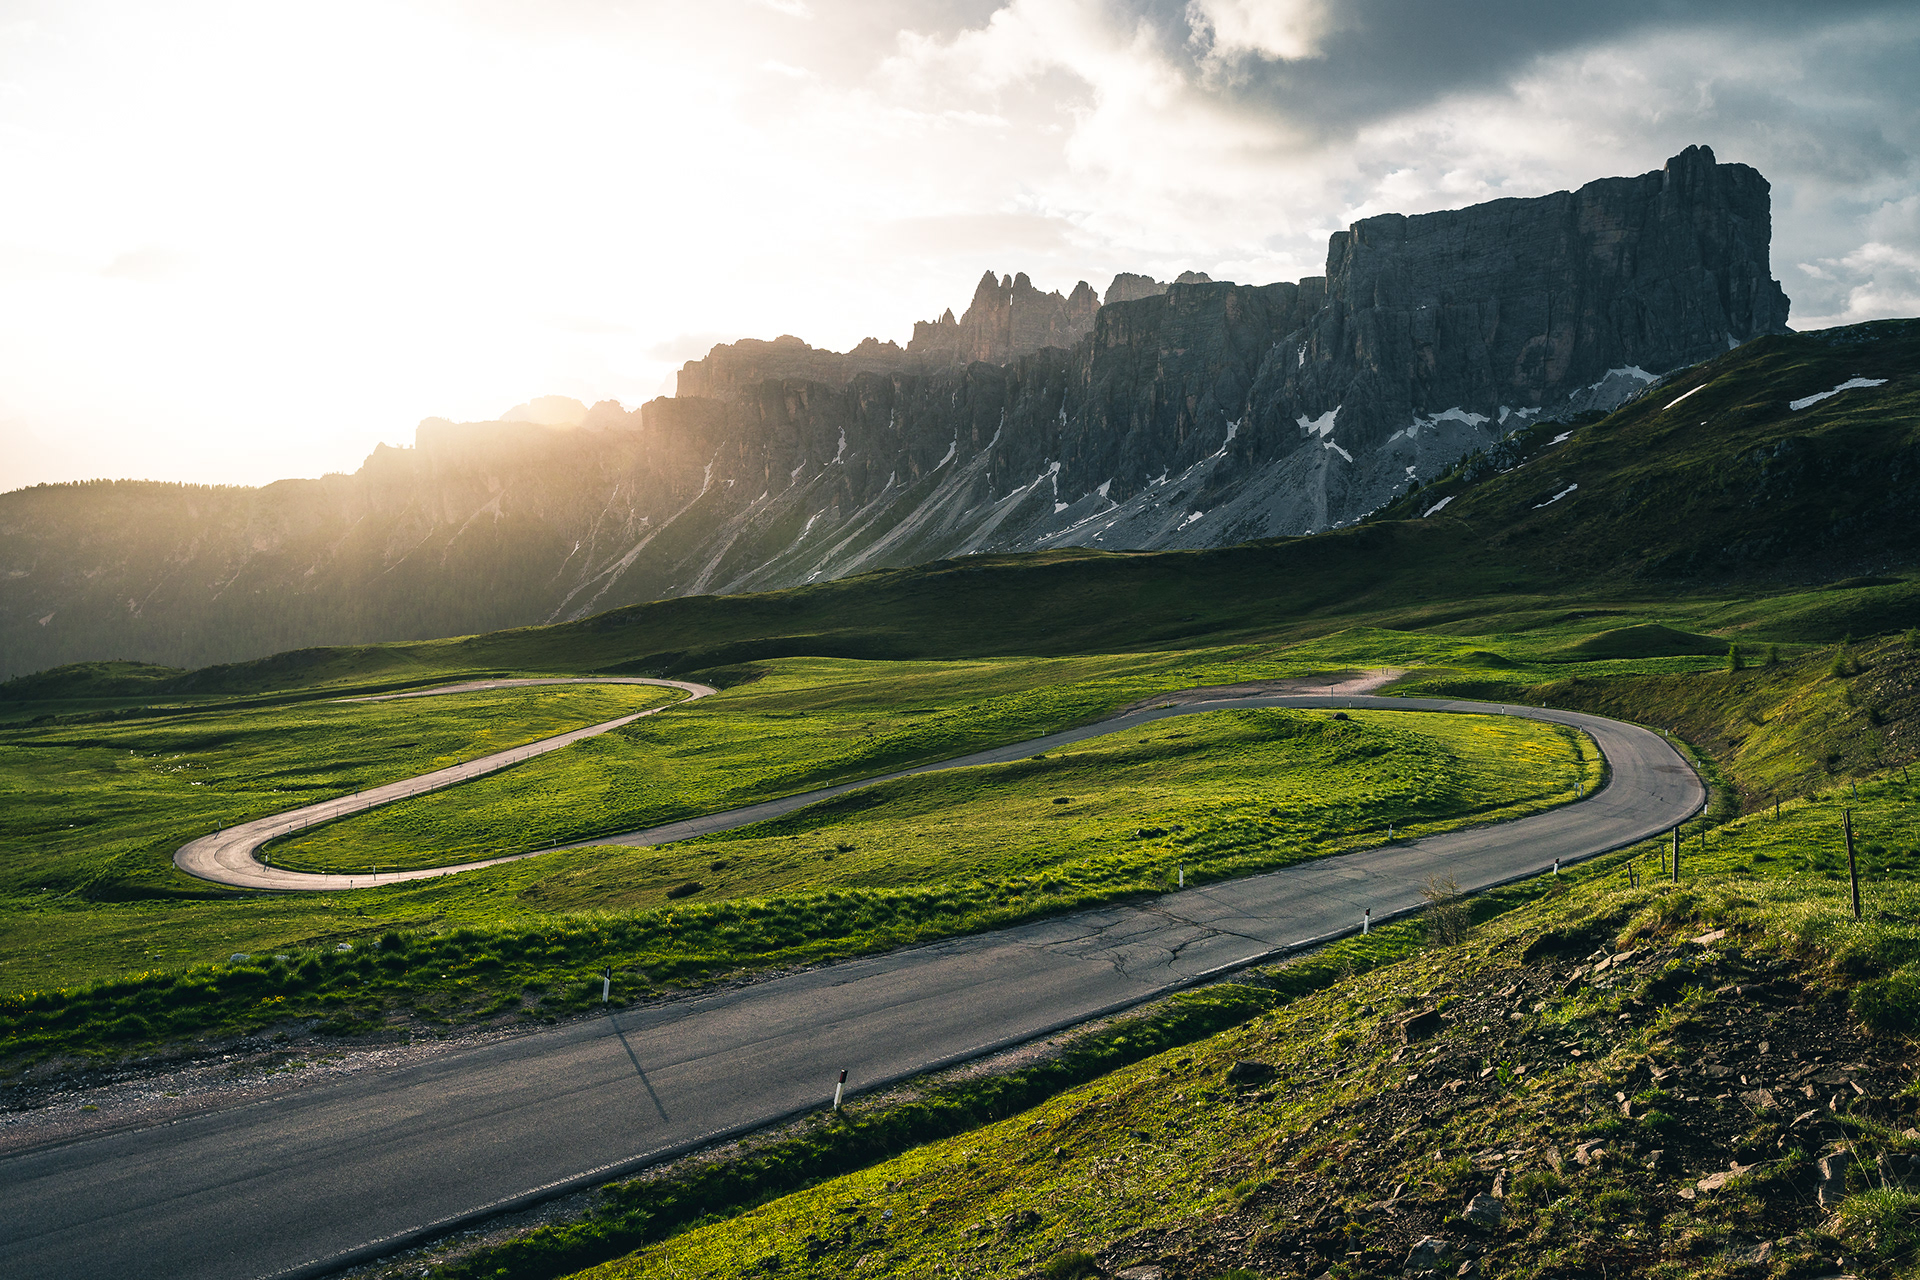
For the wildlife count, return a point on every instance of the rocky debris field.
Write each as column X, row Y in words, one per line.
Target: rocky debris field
column 1693, row 1107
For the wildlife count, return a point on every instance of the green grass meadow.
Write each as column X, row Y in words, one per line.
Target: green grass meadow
column 1217, row 794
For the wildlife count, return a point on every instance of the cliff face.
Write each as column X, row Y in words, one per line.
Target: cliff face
column 1516, row 305
column 1185, row 415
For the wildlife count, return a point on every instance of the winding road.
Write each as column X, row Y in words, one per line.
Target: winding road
column 305, row 1183
column 229, row 855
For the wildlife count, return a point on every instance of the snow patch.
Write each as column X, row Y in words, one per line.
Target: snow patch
column 1455, row 414
column 1631, row 371
column 1436, row 506
column 1556, row 497
column 1321, row 426
column 951, row 450
column 1058, row 507
column 1849, row 385
column 1102, row 490
column 841, row 452
column 1189, row 520
column 1683, row 395
column 1337, row 449
column 1301, row 361
column 1504, row 411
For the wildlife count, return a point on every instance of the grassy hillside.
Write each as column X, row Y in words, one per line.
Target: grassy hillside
column 1779, row 723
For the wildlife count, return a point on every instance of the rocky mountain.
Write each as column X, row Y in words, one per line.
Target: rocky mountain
column 1190, row 414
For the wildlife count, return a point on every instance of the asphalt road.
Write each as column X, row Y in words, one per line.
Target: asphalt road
column 304, row 1183
column 228, row 856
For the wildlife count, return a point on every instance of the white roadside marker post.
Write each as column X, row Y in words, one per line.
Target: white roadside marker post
column 839, row 1090
column 606, row 984
column 1183, row 877
column 1366, row 922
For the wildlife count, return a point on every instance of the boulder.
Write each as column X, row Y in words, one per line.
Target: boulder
column 1830, row 1179
column 1431, row 1253
column 1420, row 1026
column 1485, row 1211
column 1248, row 1072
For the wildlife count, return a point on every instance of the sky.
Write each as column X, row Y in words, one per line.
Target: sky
column 242, row 241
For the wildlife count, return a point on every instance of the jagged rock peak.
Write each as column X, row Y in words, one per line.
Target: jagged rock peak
column 1008, row 318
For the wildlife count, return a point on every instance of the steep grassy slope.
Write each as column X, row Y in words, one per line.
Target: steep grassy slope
column 1715, row 475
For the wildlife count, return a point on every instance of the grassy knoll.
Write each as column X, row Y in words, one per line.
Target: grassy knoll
column 1661, row 1116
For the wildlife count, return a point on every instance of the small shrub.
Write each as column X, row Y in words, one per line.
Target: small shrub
column 685, row 889
column 1736, row 661
column 1881, row 1222
column 1537, row 1185
column 1455, row 1172
column 1890, row 1005
column 1446, row 915
column 1773, row 655
column 1071, row 1266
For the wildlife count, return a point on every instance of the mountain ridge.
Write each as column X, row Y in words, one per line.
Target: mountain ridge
column 1193, row 414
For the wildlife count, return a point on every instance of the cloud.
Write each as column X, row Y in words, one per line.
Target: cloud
column 1878, row 279
column 682, row 347
column 1021, row 236
column 1281, row 30
column 458, row 207
column 151, row 263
